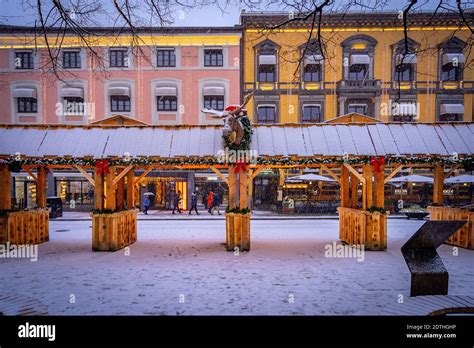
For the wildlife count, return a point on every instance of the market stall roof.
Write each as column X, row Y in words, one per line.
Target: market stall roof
column 465, row 178
column 412, row 178
column 309, row 177
column 382, row 139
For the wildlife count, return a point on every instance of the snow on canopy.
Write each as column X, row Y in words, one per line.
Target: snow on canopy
column 381, row 139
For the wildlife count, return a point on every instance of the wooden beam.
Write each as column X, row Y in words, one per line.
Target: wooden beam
column 451, row 171
column 145, row 173
column 27, row 170
column 130, row 189
column 5, row 188
column 122, row 174
column 219, row 174
column 393, row 173
column 120, row 193
column 98, row 190
column 85, row 174
column 344, row 189
column 379, row 188
column 243, row 178
column 256, row 172
column 110, row 199
column 355, row 172
column 438, row 185
column 41, row 188
column 331, row 173
column 232, row 188
column 354, row 191
column 367, row 193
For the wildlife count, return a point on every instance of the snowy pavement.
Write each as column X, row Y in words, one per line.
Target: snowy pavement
column 181, row 268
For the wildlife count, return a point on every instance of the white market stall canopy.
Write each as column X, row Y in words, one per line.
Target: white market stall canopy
column 412, row 178
column 460, row 179
column 309, row 177
column 270, row 140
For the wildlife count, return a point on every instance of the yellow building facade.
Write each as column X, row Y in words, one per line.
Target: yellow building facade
column 361, row 65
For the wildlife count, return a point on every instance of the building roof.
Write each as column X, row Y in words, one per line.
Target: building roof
column 270, row 140
column 355, row 19
column 120, row 120
column 353, row 117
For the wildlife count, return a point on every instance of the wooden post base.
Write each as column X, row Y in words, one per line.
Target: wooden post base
column 112, row 232
column 360, row 227
column 25, row 227
column 237, row 231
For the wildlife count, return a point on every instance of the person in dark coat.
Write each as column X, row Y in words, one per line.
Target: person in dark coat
column 146, row 205
column 194, row 202
column 177, row 200
column 216, row 202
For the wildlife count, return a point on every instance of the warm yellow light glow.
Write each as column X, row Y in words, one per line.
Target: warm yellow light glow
column 124, row 40
column 358, row 46
column 405, row 85
column 450, row 85
column 307, row 30
column 266, row 86
column 312, row 86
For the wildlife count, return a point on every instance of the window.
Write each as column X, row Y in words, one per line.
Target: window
column 215, row 102
column 118, row 58
column 451, row 112
column 71, row 60
column 120, row 103
column 24, row 60
column 358, row 72
column 312, row 73
column 27, row 105
column 266, row 114
column 213, row 57
column 166, row 57
column 450, row 72
column 266, row 73
column 404, row 72
column 167, row 103
column 312, row 113
column 357, row 108
column 73, row 105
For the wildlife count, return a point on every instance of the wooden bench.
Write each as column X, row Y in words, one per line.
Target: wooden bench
column 11, row 304
column 431, row 305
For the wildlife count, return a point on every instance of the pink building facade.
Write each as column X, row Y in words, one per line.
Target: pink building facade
column 165, row 80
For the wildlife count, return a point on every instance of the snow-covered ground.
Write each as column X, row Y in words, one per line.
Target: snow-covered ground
column 181, row 267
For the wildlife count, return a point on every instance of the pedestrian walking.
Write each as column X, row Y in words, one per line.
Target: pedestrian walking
column 194, row 203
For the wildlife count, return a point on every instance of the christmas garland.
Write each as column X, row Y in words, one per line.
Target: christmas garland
column 245, row 143
column 14, row 163
column 237, row 210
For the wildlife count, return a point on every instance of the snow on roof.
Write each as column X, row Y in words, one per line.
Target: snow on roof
column 269, row 140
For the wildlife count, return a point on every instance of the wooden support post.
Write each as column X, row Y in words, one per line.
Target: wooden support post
column 121, row 193
column 110, row 199
column 5, row 188
column 438, row 185
column 379, row 181
column 130, row 190
column 232, row 193
column 243, row 178
column 41, row 187
column 354, row 191
column 220, row 175
column 251, row 176
column 367, row 195
column 98, row 190
column 344, row 181
column 281, row 181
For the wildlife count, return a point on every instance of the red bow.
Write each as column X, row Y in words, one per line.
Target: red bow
column 102, row 167
column 377, row 162
column 240, row 166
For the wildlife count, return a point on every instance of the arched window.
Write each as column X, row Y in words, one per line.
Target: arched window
column 313, row 63
column 358, row 57
column 26, row 105
column 404, row 61
column 451, row 60
column 266, row 54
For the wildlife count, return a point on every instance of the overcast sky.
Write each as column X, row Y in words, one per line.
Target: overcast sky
column 16, row 12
